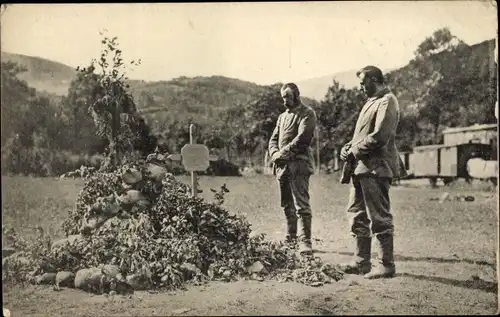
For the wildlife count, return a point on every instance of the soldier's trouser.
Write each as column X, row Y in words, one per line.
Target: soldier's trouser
column 295, row 199
column 369, row 206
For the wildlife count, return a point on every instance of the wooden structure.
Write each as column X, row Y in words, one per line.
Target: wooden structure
column 446, row 162
column 479, row 133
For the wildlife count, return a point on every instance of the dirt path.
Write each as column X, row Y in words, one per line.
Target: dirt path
column 422, row 286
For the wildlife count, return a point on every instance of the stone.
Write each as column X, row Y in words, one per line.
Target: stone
column 256, row 267
column 65, row 279
column 110, row 270
column 156, row 172
column 444, row 197
column 132, row 176
column 46, row 278
column 138, row 282
column 88, row 279
column 131, row 197
column 190, row 270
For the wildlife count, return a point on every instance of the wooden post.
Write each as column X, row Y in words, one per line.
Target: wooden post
column 194, row 190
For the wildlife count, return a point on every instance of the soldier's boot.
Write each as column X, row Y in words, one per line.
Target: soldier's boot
column 305, row 244
column 361, row 262
column 385, row 267
column 291, row 236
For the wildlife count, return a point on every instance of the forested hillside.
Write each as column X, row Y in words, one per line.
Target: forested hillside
column 446, row 84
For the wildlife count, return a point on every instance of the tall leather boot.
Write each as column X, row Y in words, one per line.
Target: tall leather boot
column 291, row 226
column 305, row 246
column 385, row 267
column 361, row 262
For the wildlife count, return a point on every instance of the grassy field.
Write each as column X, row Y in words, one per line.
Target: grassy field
column 446, row 254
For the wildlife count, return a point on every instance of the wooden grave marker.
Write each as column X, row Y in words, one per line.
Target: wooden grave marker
column 194, row 158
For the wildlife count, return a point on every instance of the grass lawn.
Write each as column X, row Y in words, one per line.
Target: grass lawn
column 445, row 253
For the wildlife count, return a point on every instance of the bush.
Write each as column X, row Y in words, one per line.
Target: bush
column 222, row 167
column 143, row 222
column 44, row 162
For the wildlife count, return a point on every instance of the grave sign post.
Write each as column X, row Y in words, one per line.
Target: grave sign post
column 194, row 158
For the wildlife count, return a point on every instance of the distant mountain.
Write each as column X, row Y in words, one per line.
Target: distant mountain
column 54, row 77
column 317, row 87
column 43, row 74
column 199, row 97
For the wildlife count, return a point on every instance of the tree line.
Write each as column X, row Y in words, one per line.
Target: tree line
column 446, row 84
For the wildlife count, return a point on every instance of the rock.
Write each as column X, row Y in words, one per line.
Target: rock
column 7, row 252
column 88, row 279
column 444, row 197
column 138, row 282
column 256, row 277
column 190, row 270
column 131, row 197
column 256, row 267
column 65, row 279
column 126, row 186
column 469, row 198
column 132, row 176
column 156, row 172
column 46, row 278
column 110, row 271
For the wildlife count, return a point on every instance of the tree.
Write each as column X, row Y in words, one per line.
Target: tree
column 15, row 95
column 112, row 106
column 337, row 116
column 260, row 118
column 440, row 41
column 80, row 123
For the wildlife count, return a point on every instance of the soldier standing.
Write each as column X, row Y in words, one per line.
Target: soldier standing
column 289, row 148
column 372, row 162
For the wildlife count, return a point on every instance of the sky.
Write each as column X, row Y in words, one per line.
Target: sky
column 259, row 42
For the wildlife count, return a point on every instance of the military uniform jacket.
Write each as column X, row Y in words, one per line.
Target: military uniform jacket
column 373, row 143
column 292, row 137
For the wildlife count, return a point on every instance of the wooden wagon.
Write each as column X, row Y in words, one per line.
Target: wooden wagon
column 445, row 162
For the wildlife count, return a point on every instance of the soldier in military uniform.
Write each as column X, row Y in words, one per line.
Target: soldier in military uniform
column 289, row 148
column 371, row 163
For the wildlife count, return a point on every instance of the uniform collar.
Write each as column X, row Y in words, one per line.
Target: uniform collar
column 296, row 109
column 380, row 94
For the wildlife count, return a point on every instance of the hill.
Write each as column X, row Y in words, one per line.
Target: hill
column 43, row 74
column 54, row 78
column 473, row 64
column 317, row 87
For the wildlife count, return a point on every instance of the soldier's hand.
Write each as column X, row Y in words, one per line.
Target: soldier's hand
column 344, row 153
column 276, row 157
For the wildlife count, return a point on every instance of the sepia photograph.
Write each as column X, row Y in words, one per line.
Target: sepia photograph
column 250, row 158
